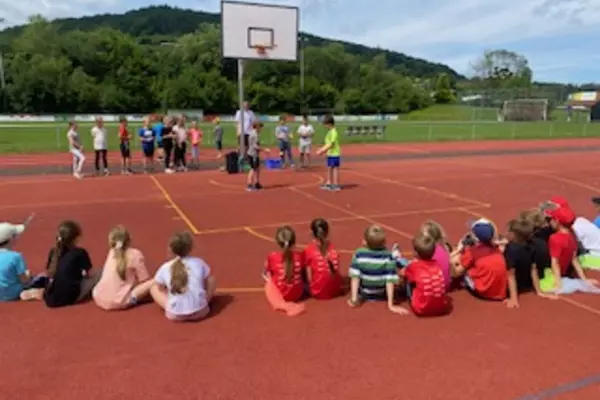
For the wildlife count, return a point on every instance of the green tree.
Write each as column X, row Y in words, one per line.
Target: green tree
column 443, row 89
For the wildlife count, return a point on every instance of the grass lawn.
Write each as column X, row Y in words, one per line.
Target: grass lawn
column 434, row 124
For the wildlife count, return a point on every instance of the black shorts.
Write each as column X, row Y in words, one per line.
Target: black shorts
column 125, row 150
column 253, row 162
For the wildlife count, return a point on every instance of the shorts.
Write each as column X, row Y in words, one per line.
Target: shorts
column 195, row 151
column 198, row 315
column 304, row 148
column 590, row 261
column 148, row 151
column 125, row 150
column 284, row 145
column 333, row 162
column 219, row 145
column 253, row 162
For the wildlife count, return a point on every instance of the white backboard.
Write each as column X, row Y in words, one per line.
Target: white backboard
column 247, row 25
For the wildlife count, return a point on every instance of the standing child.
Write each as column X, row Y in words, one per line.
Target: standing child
column 425, row 284
column 306, row 133
column 196, row 138
column 181, row 137
column 283, row 274
column 125, row 280
column 332, row 148
column 218, row 135
column 157, row 128
column 100, row 145
column 373, row 273
column 184, row 285
column 76, row 149
column 442, row 251
column 168, row 142
column 322, row 263
column 125, row 147
column 481, row 262
column 282, row 133
column 147, row 136
column 253, row 158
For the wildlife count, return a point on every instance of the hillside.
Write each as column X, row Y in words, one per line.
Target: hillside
column 161, row 23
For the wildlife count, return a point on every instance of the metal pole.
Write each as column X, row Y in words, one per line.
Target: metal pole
column 241, row 108
column 2, row 81
column 303, row 97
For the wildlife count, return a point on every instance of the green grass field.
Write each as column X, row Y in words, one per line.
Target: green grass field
column 439, row 123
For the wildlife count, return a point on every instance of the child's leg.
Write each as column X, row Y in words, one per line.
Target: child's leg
column 250, row 178
column 335, row 176
column 257, row 175
column 141, row 292
column 288, row 152
column 329, row 176
column 105, row 159
column 97, row 160
column 276, row 301
column 183, row 155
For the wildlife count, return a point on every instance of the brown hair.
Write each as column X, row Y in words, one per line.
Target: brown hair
column 320, row 230
column 329, row 120
column 522, row 229
column 286, row 239
column 68, row 233
column 534, row 216
column 375, row 237
column 433, row 230
column 424, row 246
column 181, row 245
column 119, row 240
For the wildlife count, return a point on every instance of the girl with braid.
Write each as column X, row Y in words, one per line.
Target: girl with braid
column 322, row 263
column 283, row 274
column 184, row 285
column 125, row 280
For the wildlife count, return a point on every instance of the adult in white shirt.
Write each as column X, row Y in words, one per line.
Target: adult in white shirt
column 243, row 132
column 100, row 145
column 305, row 133
column 76, row 149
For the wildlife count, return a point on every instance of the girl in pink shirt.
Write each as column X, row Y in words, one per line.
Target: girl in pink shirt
column 442, row 251
column 196, row 136
column 125, row 281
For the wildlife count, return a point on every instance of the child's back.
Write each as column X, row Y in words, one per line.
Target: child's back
column 486, row 267
column 374, row 268
column 291, row 289
column 427, row 288
column 12, row 266
column 325, row 279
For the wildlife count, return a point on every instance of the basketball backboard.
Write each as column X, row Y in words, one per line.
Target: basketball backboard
column 249, row 28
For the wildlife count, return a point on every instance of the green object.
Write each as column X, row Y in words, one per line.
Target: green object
column 590, row 261
column 547, row 282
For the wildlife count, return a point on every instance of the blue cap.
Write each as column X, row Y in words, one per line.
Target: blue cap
column 483, row 230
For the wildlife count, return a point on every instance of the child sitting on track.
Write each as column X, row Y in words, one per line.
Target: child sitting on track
column 184, row 285
column 373, row 274
column 283, row 274
column 125, row 147
column 322, row 263
column 481, row 262
column 425, row 284
column 332, row 148
column 76, row 149
column 442, row 249
column 125, row 280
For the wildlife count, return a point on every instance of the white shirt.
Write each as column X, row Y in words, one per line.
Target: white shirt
column 180, row 133
column 194, row 298
column 249, row 119
column 75, row 140
column 99, row 135
column 307, row 130
column 588, row 234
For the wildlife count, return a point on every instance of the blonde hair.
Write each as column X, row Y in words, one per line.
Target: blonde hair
column 119, row 240
column 534, row 216
column 375, row 237
column 181, row 245
column 286, row 239
column 434, row 231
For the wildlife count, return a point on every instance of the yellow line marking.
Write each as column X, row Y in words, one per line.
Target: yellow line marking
column 355, row 215
column 319, row 181
column 259, row 235
column 337, row 219
column 580, row 305
column 446, row 195
column 174, row 205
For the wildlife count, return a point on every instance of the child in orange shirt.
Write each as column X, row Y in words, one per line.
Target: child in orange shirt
column 322, row 263
column 196, row 138
column 284, row 274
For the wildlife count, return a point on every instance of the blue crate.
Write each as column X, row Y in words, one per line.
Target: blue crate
column 274, row 163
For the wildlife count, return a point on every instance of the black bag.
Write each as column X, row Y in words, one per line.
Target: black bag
column 231, row 162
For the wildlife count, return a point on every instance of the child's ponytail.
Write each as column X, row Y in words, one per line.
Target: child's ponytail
column 286, row 239
column 181, row 245
column 320, row 231
column 67, row 235
column 119, row 241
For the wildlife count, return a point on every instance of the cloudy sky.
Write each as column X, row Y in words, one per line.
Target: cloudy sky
column 561, row 38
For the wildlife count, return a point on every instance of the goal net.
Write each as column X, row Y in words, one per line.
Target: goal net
column 525, row 110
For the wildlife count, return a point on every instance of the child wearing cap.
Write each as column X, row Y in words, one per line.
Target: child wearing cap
column 481, row 262
column 14, row 275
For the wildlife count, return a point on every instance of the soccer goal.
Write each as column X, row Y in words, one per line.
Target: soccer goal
column 525, row 110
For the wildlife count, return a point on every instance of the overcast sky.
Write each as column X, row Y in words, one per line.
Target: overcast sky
column 561, row 38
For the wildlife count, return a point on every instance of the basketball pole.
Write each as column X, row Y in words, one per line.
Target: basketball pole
column 241, row 108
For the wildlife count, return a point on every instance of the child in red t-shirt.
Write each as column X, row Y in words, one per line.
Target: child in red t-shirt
column 322, row 263
column 425, row 283
column 481, row 262
column 125, row 147
column 562, row 246
column 284, row 274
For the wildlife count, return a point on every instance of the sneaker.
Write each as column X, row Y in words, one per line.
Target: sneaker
column 169, row 171
column 326, row 186
column 106, row 172
column 251, row 188
column 77, row 175
column 258, row 186
column 336, row 188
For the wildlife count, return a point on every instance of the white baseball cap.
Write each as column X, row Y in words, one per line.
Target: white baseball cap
column 9, row 231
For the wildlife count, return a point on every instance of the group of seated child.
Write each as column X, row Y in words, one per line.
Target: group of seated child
column 545, row 250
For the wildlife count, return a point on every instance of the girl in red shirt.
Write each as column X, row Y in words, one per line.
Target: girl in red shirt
column 322, row 263
column 125, row 147
column 284, row 274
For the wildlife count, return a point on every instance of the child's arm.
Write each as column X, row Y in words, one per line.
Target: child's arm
column 324, row 149
column 513, row 298
column 390, row 289
column 556, row 272
column 353, row 301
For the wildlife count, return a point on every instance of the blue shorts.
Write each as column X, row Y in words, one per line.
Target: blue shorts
column 333, row 162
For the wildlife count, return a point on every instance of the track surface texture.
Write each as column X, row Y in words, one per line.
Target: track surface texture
column 543, row 350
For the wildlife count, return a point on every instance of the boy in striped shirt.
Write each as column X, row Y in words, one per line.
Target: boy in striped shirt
column 373, row 272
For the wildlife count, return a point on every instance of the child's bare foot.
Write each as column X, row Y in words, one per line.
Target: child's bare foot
column 295, row 310
column 31, row 295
